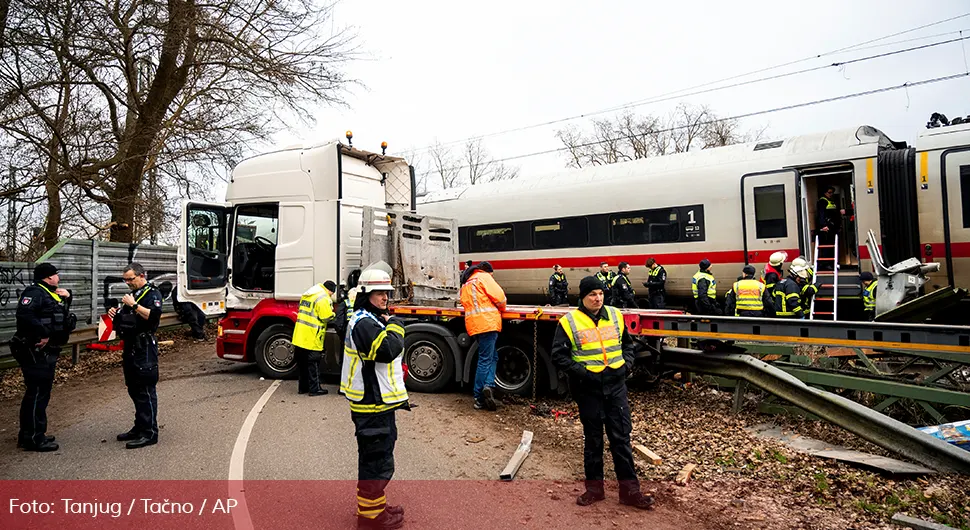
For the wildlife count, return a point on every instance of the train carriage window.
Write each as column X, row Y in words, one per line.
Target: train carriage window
column 560, row 233
column 491, row 238
column 769, row 212
column 965, row 194
column 662, row 225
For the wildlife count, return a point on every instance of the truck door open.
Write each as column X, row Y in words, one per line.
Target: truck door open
column 769, row 215
column 203, row 255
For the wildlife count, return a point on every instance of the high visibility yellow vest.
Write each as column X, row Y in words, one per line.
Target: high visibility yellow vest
column 390, row 376
column 829, row 204
column 748, row 295
column 869, row 296
column 595, row 346
column 711, row 291
column 316, row 309
column 622, row 277
column 607, row 278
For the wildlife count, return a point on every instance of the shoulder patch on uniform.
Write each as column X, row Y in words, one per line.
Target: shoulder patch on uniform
column 25, row 301
column 158, row 303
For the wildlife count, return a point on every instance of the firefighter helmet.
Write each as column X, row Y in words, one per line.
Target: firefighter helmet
column 777, row 258
column 374, row 280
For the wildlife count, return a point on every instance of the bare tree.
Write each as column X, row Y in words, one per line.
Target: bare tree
column 105, row 93
column 445, row 164
column 632, row 137
column 481, row 167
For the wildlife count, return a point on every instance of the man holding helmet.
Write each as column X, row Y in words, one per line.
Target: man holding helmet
column 372, row 379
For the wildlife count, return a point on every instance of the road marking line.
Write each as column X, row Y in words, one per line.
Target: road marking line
column 240, row 514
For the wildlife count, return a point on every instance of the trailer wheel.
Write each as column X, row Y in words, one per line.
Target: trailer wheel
column 513, row 372
column 274, row 352
column 431, row 364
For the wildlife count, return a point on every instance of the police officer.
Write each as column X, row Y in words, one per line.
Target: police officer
column 606, row 276
column 372, row 380
column 558, row 287
column 656, row 285
column 309, row 334
column 869, row 285
column 748, row 297
column 624, row 296
column 591, row 345
column 787, row 294
column 136, row 322
column 829, row 223
column 44, row 323
column 704, row 288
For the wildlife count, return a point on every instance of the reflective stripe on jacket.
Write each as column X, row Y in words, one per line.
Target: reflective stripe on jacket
column 358, row 358
column 315, row 311
column 483, row 300
column 595, row 346
column 700, row 275
column 748, row 296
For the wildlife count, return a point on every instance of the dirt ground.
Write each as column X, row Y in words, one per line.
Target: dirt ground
column 739, row 482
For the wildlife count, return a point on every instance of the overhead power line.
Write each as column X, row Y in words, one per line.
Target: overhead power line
column 668, row 95
column 735, row 117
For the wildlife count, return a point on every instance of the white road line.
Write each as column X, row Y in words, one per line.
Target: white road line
column 240, row 514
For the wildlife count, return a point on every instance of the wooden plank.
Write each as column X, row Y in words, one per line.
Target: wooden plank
column 647, row 454
column 684, row 475
column 525, row 446
column 919, row 524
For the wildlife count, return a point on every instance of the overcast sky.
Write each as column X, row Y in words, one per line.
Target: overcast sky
column 449, row 70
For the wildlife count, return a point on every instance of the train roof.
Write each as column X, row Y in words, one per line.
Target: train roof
column 808, row 146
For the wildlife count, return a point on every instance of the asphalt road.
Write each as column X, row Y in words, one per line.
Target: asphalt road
column 295, row 459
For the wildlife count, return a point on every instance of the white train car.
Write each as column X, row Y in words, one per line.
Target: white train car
column 732, row 205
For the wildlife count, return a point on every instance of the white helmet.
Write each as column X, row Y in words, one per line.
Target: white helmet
column 799, row 262
column 801, row 271
column 777, row 258
column 374, row 280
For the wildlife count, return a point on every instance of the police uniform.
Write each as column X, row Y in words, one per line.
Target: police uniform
column 704, row 288
column 656, row 285
column 623, row 294
column 828, row 214
column 309, row 334
column 139, row 359
column 596, row 352
column 372, row 379
column 607, row 280
column 41, row 314
column 558, row 288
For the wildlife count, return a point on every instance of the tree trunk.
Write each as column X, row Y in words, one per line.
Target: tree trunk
column 53, row 225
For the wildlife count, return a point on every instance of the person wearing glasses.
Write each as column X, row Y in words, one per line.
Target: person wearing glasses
column 136, row 322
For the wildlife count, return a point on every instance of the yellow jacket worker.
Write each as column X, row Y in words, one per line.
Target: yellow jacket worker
column 309, row 332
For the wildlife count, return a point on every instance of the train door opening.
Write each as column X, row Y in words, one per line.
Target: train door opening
column 828, row 201
column 769, row 211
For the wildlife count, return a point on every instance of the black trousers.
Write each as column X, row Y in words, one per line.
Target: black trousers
column 140, row 363
column 38, row 368
column 558, row 298
column 376, row 435
column 658, row 300
column 605, row 404
column 308, row 369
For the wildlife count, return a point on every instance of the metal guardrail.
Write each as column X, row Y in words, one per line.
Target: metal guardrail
column 877, row 428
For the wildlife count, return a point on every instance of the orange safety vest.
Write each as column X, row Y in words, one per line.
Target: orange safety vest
column 483, row 301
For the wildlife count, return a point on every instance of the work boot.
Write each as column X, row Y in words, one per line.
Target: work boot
column 386, row 520
column 589, row 497
column 23, row 441
column 479, row 405
column 394, row 510
column 130, row 435
column 141, row 442
column 488, row 398
column 321, row 392
column 45, row 447
column 638, row 500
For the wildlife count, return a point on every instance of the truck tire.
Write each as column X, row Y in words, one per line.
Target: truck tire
column 274, row 352
column 514, row 370
column 431, row 364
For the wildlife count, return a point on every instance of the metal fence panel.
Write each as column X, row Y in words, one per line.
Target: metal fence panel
column 92, row 271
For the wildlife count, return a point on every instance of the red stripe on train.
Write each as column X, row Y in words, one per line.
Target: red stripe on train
column 959, row 250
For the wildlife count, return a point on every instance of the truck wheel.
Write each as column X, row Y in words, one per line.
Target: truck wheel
column 431, row 364
column 514, row 370
column 274, row 352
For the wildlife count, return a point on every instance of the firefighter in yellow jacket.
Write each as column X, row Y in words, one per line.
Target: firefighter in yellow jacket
column 592, row 346
column 309, row 332
column 372, row 379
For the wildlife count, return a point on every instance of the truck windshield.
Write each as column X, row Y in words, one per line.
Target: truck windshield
column 254, row 247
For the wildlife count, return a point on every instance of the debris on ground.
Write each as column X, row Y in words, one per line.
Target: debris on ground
column 684, row 474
